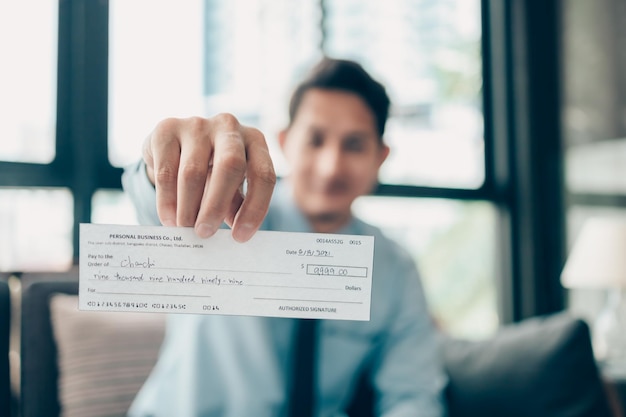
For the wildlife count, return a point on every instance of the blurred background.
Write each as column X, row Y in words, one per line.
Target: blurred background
column 507, row 130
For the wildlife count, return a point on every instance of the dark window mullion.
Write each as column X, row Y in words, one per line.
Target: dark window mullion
column 390, row 190
column 18, row 174
column 84, row 140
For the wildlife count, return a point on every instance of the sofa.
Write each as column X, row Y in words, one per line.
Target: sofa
column 77, row 363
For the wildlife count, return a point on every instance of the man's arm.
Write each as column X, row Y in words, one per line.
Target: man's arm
column 141, row 192
column 198, row 167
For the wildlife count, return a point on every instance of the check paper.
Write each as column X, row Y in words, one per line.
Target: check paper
column 275, row 274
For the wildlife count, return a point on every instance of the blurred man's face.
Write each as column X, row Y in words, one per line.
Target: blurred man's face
column 334, row 153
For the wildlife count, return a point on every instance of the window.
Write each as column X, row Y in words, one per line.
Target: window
column 246, row 55
column 28, row 45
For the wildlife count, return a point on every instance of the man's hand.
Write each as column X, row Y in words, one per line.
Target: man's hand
column 198, row 167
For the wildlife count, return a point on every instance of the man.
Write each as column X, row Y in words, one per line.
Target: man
column 191, row 175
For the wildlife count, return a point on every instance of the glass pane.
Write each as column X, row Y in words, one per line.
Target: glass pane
column 155, row 69
column 597, row 167
column 238, row 56
column 36, row 229
column 28, row 46
column 428, row 55
column 244, row 56
column 112, row 207
column 453, row 244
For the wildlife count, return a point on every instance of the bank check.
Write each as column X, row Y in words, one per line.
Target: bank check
column 275, row 274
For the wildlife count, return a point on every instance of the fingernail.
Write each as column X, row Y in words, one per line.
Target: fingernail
column 168, row 222
column 205, row 230
column 243, row 232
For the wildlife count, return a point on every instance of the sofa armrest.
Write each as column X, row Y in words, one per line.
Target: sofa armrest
column 39, row 371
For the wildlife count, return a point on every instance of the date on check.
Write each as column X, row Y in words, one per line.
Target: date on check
column 275, row 274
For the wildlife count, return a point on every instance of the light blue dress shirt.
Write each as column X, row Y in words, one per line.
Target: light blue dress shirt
column 231, row 366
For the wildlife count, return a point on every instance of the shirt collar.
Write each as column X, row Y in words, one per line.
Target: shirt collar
column 290, row 218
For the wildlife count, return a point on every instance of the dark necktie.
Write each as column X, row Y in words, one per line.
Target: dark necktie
column 304, row 365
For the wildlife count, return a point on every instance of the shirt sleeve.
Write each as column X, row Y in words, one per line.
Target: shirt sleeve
column 141, row 192
column 408, row 373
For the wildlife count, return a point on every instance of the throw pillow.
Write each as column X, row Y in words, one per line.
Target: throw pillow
column 103, row 357
column 541, row 367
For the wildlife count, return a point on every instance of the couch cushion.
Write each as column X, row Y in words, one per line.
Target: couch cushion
column 540, row 367
column 103, row 357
